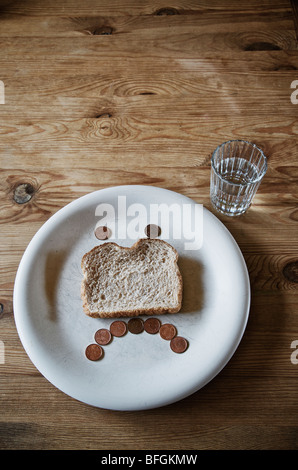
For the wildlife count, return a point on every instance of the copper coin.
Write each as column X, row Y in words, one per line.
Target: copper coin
column 136, row 325
column 102, row 233
column 118, row 328
column 94, row 352
column 152, row 231
column 152, row 325
column 103, row 336
column 179, row 344
column 167, row 331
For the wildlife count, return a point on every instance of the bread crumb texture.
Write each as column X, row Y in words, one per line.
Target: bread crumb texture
column 129, row 281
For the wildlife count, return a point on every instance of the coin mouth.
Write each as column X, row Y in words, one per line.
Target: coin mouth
column 118, row 328
column 152, row 325
column 167, row 331
column 135, row 325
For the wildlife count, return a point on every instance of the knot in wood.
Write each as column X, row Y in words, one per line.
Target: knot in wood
column 105, row 128
column 103, row 31
column 290, row 271
column 166, row 12
column 23, row 193
column 262, row 46
column 103, row 115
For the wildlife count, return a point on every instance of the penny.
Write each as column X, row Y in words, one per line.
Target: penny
column 103, row 336
column 93, row 352
column 136, row 325
column 178, row 344
column 152, row 325
column 118, row 328
column 102, row 233
column 152, row 231
column 167, row 331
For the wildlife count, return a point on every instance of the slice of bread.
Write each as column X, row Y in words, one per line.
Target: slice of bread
column 121, row 282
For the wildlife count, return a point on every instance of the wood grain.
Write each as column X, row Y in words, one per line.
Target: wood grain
column 111, row 92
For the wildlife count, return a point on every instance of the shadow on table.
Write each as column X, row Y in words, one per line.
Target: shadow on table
column 53, row 268
column 193, row 293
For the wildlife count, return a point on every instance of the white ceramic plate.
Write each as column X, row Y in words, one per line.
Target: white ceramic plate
column 137, row 371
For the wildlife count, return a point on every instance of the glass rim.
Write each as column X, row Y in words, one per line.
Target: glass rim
column 256, row 180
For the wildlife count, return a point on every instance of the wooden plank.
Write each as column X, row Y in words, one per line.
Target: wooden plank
column 208, row 20
column 186, row 95
column 116, row 131
column 196, row 437
column 167, row 45
column 242, row 61
column 113, row 7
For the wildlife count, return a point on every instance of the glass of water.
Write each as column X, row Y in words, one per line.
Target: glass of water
column 237, row 168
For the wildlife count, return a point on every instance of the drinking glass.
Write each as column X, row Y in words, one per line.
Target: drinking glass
column 237, row 168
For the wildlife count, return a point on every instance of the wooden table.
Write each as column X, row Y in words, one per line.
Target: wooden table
column 102, row 93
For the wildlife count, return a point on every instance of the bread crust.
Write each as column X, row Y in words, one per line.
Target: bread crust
column 132, row 312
